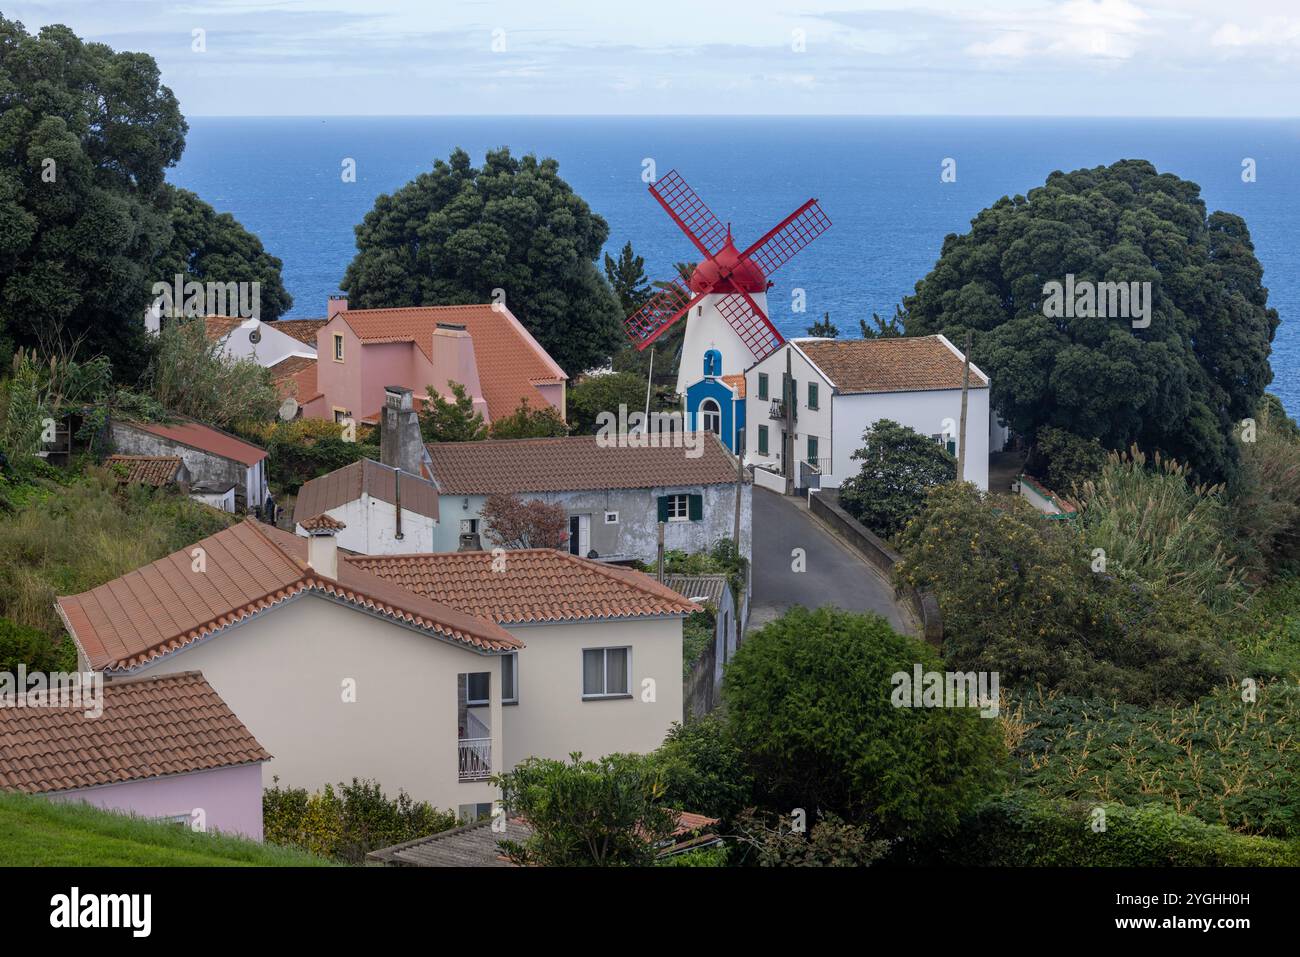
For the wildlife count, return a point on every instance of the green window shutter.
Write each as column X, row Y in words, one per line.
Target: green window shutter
column 695, row 507
column 762, row 438
column 952, row 446
column 812, row 395
column 762, row 385
column 812, row 449
column 663, row 508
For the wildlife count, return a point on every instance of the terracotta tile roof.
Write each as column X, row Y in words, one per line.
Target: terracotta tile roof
column 204, row 438
column 172, row 724
column 510, row 361
column 737, row 384
column 218, row 327
column 155, row 470
column 570, row 463
column 365, row 476
column 889, row 365
column 295, row 376
column 304, row 330
column 322, row 521
column 537, row 585
column 167, row 605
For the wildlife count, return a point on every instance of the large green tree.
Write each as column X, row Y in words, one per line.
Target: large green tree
column 1180, row 383
column 899, row 467
column 456, row 234
column 85, row 135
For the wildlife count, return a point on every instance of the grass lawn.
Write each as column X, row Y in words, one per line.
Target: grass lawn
column 35, row 832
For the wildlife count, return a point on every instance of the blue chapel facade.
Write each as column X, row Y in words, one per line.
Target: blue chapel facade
column 716, row 403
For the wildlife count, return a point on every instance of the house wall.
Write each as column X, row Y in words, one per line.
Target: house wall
column 283, row 671
column 250, row 481
column 230, row 798
column 707, row 329
column 273, row 347
column 733, row 417
column 923, row 411
column 552, row 719
column 384, row 364
column 339, row 381
column 635, row 535
column 817, row 422
column 372, row 528
column 554, row 393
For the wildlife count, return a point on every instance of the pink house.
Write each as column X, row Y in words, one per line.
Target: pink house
column 163, row 747
column 482, row 347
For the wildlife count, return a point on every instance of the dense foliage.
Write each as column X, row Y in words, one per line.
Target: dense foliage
column 526, row 422
column 702, row 769
column 304, row 449
column 456, row 234
column 451, row 420
column 1064, row 460
column 605, row 393
column 512, row 522
column 1181, row 384
column 899, row 466
column 193, row 375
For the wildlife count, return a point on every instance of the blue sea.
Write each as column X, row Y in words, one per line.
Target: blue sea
column 877, row 178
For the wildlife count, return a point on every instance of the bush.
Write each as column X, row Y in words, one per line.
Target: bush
column 699, row 630
column 701, row 769
column 899, row 465
column 1025, row 831
column 1265, row 505
column 765, row 840
column 604, row 393
column 1065, row 460
column 192, row 375
column 23, row 645
column 529, row 423
column 1018, row 597
column 349, row 823
column 1267, row 634
column 809, row 703
column 304, row 449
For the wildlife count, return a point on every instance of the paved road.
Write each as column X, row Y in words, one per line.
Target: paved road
column 835, row 574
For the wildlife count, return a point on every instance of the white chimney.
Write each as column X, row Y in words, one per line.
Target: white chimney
column 322, row 547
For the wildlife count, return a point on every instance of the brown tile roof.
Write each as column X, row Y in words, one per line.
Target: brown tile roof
column 510, row 361
column 737, row 383
column 537, row 585
column 889, row 365
column 167, row 605
column 204, row 438
column 155, row 470
column 361, row 477
column 218, row 327
column 574, row 462
column 172, row 724
column 318, row 522
column 304, row 330
column 295, row 376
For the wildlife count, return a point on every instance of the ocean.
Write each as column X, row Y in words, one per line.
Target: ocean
column 878, row 179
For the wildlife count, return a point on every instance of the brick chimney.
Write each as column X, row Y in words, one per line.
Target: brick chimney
column 400, row 445
column 336, row 305
column 322, row 547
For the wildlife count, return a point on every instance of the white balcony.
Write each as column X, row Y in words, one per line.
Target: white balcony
column 475, row 758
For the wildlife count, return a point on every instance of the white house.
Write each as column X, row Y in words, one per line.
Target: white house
column 265, row 343
column 843, row 386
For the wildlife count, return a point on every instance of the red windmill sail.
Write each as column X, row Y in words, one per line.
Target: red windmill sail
column 731, row 274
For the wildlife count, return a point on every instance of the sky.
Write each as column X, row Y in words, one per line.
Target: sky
column 963, row 58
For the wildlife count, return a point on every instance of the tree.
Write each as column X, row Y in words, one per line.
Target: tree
column 1179, row 384
column 1265, row 504
column 627, row 278
column 702, row 769
column 192, row 375
column 208, row 246
column 880, row 329
column 454, row 421
column 1065, row 460
column 899, row 466
column 86, row 137
column 529, row 423
column 604, row 393
column 586, row 813
column 513, row 523
column 456, row 234
column 824, row 328
column 809, row 703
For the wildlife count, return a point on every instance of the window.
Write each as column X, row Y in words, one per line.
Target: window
column 606, row 672
column 476, row 688
column 712, row 416
column 762, row 440
column 681, row 508
column 812, row 395
column 510, row 678
column 677, row 508
column 338, row 347
column 340, row 416
column 812, row 450
column 469, row 526
column 611, row 518
column 762, row 385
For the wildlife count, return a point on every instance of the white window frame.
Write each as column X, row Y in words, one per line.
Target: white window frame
column 514, row 678
column 685, row 515
column 709, row 408
column 611, row 518
column 582, row 664
column 338, row 346
column 477, row 702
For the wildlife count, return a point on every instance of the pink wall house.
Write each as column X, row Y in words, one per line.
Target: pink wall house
column 482, row 347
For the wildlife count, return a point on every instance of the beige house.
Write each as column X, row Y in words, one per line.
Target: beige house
column 345, row 666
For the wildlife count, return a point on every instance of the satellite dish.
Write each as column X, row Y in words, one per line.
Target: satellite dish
column 289, row 409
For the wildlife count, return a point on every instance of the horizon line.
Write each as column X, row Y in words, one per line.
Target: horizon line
column 737, row 116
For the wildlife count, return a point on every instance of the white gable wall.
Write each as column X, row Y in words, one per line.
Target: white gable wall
column 273, row 346
column 372, row 528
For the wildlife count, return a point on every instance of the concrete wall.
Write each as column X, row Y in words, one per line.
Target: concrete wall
column 283, row 674
column 552, row 719
column 635, row 534
column 372, row 528
column 230, row 798
column 250, row 481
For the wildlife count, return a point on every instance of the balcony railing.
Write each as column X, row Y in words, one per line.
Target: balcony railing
column 475, row 758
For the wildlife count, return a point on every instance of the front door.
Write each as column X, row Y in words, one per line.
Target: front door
column 579, row 535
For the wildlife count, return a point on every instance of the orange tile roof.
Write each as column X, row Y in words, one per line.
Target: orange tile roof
column 304, row 330
column 536, row 585
column 155, row 470
column 295, row 376
column 167, row 605
column 737, row 384
column 889, row 365
column 195, row 435
column 510, row 361
column 322, row 521
column 150, row 727
column 574, row 462
column 218, row 327
column 366, row 477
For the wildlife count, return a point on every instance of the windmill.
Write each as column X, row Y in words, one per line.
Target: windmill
column 724, row 303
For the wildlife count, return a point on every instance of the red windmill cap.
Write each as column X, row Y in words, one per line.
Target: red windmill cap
column 727, row 272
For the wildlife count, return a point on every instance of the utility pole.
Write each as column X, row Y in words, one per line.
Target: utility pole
column 787, row 440
column 649, row 384
column 740, row 482
column 961, row 439
column 661, row 553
